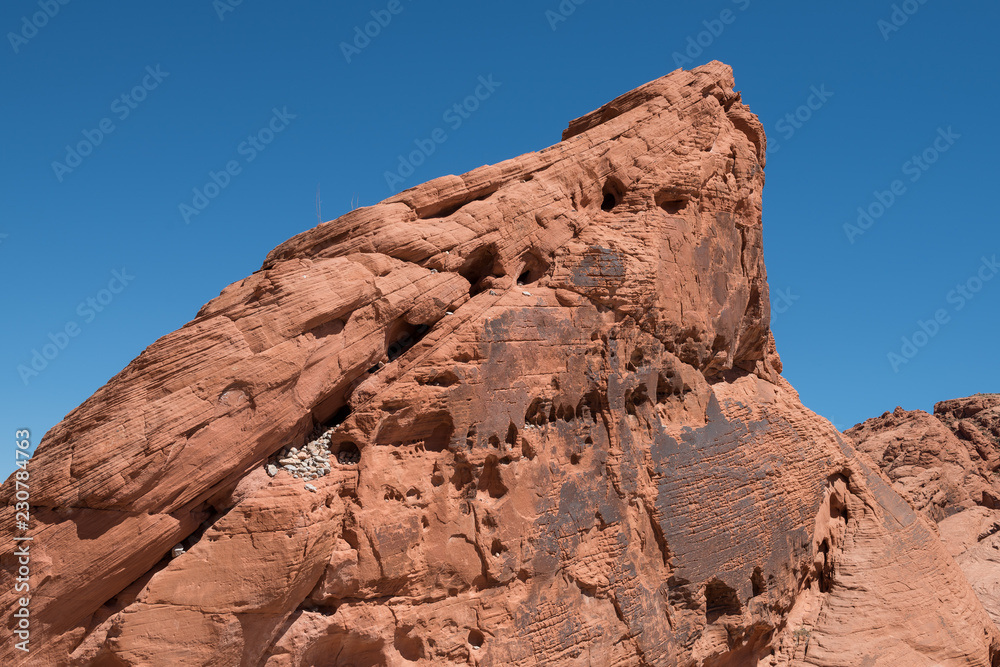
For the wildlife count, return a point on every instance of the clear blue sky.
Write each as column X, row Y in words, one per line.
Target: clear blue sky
column 208, row 83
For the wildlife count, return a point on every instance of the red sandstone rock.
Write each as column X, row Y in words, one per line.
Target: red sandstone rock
column 942, row 463
column 976, row 421
column 928, row 464
column 946, row 466
column 592, row 460
column 972, row 537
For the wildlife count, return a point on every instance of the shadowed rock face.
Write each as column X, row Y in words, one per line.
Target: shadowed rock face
column 556, row 434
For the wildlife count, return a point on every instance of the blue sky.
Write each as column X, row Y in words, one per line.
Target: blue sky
column 266, row 97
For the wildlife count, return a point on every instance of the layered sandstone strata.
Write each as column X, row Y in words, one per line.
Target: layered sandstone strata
column 559, row 436
column 946, row 465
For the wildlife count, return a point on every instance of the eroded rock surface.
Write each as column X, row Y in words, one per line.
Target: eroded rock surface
column 946, row 465
column 928, row 464
column 557, row 435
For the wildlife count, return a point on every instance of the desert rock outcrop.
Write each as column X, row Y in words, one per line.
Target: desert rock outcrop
column 556, row 431
column 946, row 465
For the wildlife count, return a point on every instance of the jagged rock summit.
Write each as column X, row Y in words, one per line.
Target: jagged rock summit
column 547, row 408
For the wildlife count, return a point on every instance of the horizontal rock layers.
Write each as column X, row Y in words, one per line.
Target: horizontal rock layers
column 557, row 434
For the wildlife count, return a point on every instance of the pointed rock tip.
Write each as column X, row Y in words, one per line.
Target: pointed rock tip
column 712, row 78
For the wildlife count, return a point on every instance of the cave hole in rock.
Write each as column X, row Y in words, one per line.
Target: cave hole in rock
column 720, row 600
column 533, row 268
column 838, row 508
column 480, row 264
column 446, row 206
column 637, row 360
column 635, row 398
column 511, row 438
column 757, row 582
column 574, row 459
column 669, row 384
column 338, row 418
column 664, row 386
column 589, row 406
column 440, row 436
column 490, row 480
column 444, row 378
column 670, row 202
column 447, row 210
column 476, row 639
column 461, row 475
column 612, row 194
column 330, row 411
column 348, row 453
column 565, row 412
column 825, row 573
column 402, row 337
column 210, row 515
column 426, row 431
column 410, row 648
column 497, row 547
column 538, row 412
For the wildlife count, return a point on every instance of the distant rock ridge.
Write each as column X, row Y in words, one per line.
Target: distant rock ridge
column 548, row 412
column 947, row 465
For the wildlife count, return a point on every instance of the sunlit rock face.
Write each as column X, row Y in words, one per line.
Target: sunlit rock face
column 528, row 415
column 945, row 464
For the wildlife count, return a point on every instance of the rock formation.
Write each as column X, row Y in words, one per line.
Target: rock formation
column 547, row 408
column 946, row 465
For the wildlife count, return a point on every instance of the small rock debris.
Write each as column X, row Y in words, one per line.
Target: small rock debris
column 349, row 456
column 312, row 460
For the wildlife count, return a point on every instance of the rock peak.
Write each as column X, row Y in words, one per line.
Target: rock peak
column 527, row 414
